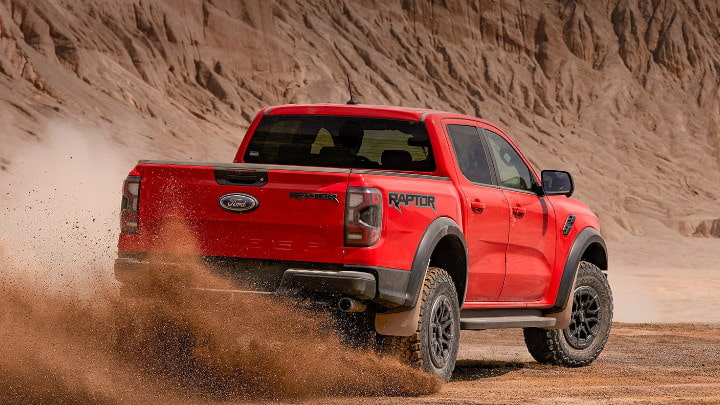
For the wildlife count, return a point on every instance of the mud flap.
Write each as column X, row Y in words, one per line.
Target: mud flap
column 403, row 323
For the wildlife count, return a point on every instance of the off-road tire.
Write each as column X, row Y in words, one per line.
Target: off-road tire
column 434, row 345
column 582, row 341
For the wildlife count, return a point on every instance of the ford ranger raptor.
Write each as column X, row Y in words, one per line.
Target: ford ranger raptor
column 423, row 222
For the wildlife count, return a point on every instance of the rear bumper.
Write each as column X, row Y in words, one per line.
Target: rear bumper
column 384, row 286
column 319, row 282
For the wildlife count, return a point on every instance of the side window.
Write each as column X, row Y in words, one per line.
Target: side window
column 513, row 171
column 470, row 153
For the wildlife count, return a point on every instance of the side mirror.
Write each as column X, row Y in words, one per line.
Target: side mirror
column 556, row 182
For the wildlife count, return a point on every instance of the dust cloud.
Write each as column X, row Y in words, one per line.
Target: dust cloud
column 71, row 336
column 60, row 202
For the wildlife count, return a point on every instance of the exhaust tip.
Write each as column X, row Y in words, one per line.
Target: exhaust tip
column 347, row 304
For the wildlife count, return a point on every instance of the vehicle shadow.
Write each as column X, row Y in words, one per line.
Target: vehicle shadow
column 470, row 370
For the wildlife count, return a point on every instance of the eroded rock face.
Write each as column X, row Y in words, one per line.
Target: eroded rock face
column 709, row 228
column 624, row 94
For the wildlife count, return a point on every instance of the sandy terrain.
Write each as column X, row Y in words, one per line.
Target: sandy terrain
column 641, row 364
column 668, row 280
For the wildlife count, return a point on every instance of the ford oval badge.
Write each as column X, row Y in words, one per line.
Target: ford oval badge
column 238, row 202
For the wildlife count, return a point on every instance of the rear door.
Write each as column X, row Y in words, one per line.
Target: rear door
column 486, row 212
column 532, row 238
column 250, row 211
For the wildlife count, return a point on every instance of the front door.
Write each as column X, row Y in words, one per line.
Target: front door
column 532, row 237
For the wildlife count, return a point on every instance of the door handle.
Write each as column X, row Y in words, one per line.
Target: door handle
column 477, row 207
column 518, row 212
column 232, row 177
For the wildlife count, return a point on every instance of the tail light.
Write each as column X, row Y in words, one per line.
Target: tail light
column 129, row 208
column 363, row 216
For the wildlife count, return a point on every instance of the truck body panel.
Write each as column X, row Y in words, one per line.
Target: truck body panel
column 299, row 215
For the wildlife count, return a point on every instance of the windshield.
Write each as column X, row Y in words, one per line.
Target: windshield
column 347, row 142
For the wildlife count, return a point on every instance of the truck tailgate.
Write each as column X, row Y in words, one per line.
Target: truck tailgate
column 250, row 211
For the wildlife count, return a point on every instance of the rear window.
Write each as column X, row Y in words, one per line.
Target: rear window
column 347, row 142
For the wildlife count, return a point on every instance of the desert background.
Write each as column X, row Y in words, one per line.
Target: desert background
column 623, row 94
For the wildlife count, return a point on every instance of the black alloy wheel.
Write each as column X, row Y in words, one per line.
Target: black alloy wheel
column 585, row 319
column 442, row 332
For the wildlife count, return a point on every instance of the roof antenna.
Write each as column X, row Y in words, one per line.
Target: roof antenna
column 352, row 100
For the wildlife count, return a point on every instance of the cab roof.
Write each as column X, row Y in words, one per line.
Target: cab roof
column 359, row 110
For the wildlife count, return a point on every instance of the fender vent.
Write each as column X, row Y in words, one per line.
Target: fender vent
column 569, row 222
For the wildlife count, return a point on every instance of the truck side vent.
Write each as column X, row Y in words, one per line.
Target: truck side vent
column 569, row 222
column 363, row 216
column 129, row 208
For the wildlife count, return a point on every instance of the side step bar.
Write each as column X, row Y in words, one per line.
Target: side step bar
column 476, row 319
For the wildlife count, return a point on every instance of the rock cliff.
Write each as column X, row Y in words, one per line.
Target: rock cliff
column 624, row 94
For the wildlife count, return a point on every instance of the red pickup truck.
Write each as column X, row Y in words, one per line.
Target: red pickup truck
column 422, row 221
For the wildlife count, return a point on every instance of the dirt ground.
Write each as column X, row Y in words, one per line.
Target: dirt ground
column 642, row 363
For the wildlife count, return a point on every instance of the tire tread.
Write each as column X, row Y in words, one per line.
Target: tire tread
column 546, row 345
column 409, row 348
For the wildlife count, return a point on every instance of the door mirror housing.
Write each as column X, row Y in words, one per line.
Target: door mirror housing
column 557, row 182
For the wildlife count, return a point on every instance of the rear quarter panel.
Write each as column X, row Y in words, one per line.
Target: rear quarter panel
column 407, row 213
